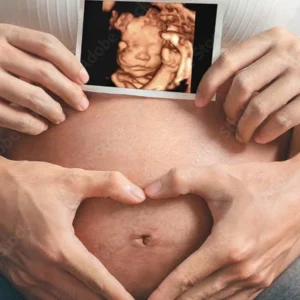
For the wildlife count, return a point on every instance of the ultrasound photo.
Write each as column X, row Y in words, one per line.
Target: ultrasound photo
column 153, row 49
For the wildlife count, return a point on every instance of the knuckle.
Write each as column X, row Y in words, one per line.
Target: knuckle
column 245, row 272
column 239, row 253
column 52, row 254
column 46, row 43
column 35, row 99
column 187, row 283
column 44, row 70
column 279, row 32
column 265, row 283
column 227, row 59
column 256, row 280
column 9, row 30
column 24, row 123
column 283, row 121
column 6, row 51
column 257, row 107
column 243, row 82
column 15, row 278
column 219, row 285
column 184, row 280
column 22, row 280
column 34, row 96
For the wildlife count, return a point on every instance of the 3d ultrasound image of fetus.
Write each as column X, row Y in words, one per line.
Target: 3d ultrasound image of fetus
column 156, row 49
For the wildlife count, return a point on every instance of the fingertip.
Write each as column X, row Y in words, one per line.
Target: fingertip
column 200, row 100
column 45, row 127
column 35, row 132
column 154, row 189
column 83, row 77
column 239, row 138
column 259, row 140
column 136, row 193
column 199, row 103
column 84, row 104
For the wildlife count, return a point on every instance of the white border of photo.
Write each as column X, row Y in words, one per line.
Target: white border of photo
column 149, row 93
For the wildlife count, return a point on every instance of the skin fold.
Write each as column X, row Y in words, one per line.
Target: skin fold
column 142, row 138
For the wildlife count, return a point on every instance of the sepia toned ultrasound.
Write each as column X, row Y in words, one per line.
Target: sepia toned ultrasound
column 156, row 50
column 147, row 45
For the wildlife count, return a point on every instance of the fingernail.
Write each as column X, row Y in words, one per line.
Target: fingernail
column 83, row 75
column 200, row 101
column 137, row 193
column 84, row 104
column 258, row 140
column 154, row 188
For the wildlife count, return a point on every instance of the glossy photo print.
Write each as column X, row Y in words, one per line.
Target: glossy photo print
column 151, row 49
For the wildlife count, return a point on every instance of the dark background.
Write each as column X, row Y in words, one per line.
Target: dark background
column 100, row 45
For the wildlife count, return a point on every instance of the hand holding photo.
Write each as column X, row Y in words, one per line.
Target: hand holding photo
column 153, row 49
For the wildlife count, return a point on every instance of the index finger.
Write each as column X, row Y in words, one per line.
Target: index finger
column 230, row 62
column 48, row 47
column 87, row 268
column 208, row 182
column 194, row 269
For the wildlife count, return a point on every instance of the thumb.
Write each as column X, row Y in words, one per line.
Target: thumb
column 82, row 264
column 206, row 182
column 110, row 184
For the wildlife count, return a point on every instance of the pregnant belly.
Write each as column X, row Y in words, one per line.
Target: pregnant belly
column 140, row 245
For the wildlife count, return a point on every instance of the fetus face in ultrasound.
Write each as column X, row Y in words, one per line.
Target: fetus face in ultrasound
column 156, row 50
column 139, row 51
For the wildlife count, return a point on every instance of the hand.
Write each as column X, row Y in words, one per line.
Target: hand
column 260, row 78
column 28, row 58
column 40, row 253
column 255, row 207
column 179, row 57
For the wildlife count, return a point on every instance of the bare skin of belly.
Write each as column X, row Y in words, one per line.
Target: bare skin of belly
column 143, row 138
